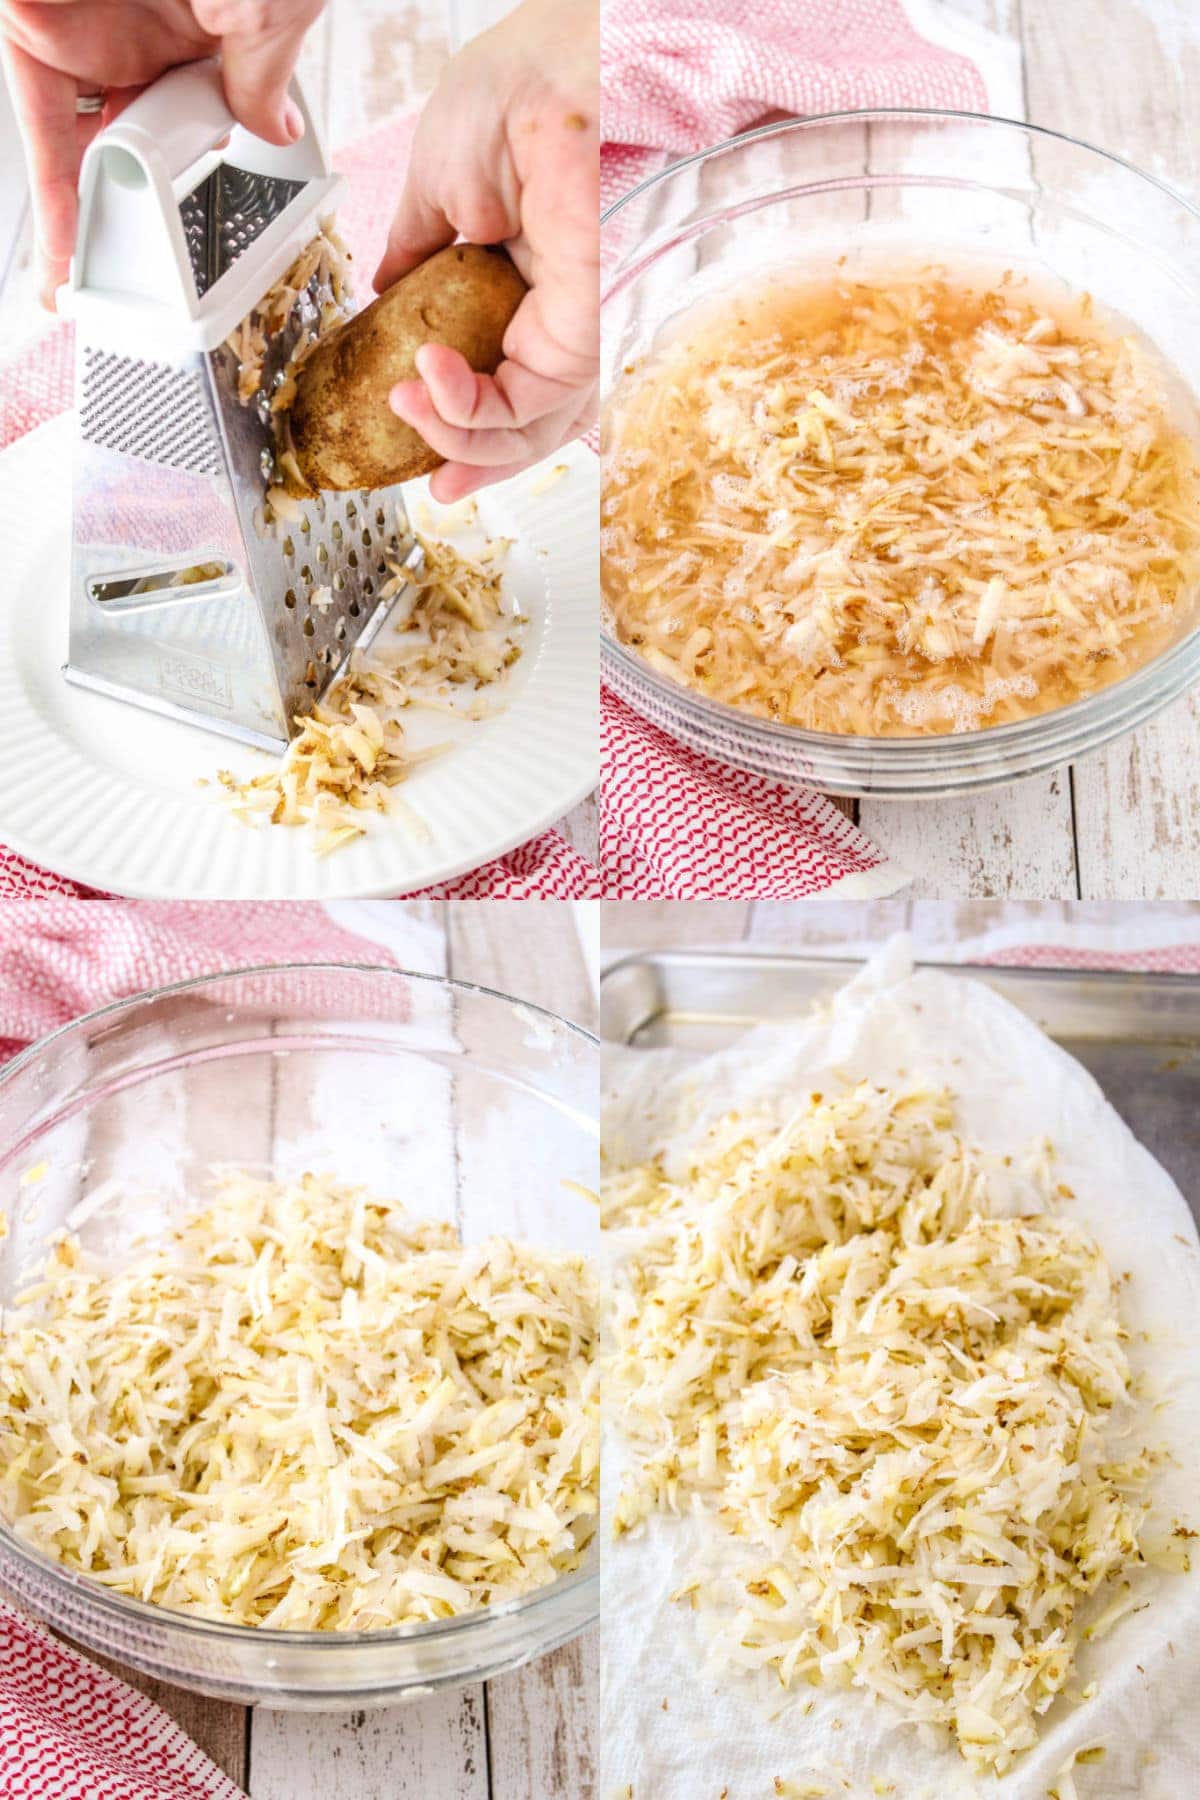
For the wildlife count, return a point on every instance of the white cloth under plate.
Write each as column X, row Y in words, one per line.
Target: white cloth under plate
column 670, row 1731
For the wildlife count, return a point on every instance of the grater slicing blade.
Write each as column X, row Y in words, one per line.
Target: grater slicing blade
column 225, row 213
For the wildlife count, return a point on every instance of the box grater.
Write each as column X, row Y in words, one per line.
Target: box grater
column 182, row 600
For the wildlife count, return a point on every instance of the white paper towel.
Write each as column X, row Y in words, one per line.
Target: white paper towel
column 671, row 1733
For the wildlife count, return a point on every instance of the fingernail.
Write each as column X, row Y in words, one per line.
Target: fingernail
column 293, row 121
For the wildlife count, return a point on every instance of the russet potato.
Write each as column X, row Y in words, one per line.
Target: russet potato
column 343, row 431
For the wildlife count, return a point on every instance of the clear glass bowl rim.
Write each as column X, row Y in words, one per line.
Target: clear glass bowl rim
column 121, row 1605
column 928, row 745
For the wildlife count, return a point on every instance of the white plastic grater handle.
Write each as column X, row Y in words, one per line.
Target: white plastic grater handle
column 131, row 272
column 184, row 114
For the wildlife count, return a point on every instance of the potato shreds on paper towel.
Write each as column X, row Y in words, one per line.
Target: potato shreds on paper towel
column 305, row 1410
column 904, row 1407
column 903, row 506
column 457, row 637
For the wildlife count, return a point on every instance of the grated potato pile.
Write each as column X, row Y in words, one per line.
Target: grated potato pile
column 459, row 639
column 898, row 1396
column 890, row 509
column 305, row 1410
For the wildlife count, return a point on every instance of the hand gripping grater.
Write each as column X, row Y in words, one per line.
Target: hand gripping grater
column 182, row 600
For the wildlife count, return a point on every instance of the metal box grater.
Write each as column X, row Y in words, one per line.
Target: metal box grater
column 181, row 601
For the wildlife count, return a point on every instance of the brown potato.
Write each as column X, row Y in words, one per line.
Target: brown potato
column 344, row 433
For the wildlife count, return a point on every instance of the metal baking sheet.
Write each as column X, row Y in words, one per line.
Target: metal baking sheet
column 1139, row 1035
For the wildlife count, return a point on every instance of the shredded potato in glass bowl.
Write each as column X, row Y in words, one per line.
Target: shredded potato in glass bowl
column 901, row 485
column 298, row 1388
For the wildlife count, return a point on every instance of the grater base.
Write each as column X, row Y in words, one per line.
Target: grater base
column 168, row 709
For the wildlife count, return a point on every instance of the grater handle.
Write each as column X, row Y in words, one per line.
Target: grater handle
column 132, row 270
column 184, row 115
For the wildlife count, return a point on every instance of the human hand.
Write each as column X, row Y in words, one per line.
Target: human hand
column 58, row 51
column 507, row 151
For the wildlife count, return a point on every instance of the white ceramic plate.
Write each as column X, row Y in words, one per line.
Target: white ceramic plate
column 107, row 794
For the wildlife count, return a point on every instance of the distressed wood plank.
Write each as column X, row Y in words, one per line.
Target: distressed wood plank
column 540, row 1726
column 383, row 59
column 1003, row 16
column 434, row 1749
column 582, row 828
column 816, row 925
column 1015, row 840
column 530, row 949
column 1137, row 804
column 813, row 927
column 672, row 924
column 1138, row 812
column 939, row 925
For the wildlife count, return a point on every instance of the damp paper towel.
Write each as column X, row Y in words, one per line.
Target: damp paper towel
column 671, row 1730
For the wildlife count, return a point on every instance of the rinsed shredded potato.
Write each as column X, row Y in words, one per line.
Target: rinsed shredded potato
column 924, row 505
column 459, row 638
column 902, row 1405
column 305, row 1410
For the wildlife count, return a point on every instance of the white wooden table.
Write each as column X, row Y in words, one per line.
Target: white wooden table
column 524, row 1736
column 841, row 927
column 1125, row 823
column 363, row 60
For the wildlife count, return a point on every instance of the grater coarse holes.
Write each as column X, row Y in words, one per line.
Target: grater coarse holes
column 187, row 597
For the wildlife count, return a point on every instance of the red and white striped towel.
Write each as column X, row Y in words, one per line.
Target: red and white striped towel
column 71, row 1731
column 679, row 75
column 36, row 385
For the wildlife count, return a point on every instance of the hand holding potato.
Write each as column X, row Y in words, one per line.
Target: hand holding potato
column 507, row 150
column 342, row 433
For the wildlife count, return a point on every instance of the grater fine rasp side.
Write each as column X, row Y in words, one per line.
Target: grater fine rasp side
column 184, row 598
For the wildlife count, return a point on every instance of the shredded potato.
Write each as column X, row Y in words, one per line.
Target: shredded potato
column 305, row 1410
column 313, row 298
column 889, row 509
column 459, row 640
column 899, row 1392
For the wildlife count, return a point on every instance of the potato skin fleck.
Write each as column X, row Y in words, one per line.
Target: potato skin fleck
column 344, row 432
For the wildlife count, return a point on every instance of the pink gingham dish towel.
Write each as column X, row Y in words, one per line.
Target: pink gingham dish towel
column 679, row 75
column 61, row 957
column 37, row 384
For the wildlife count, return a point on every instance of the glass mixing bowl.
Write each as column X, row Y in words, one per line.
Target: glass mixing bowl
column 949, row 184
column 462, row 1103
